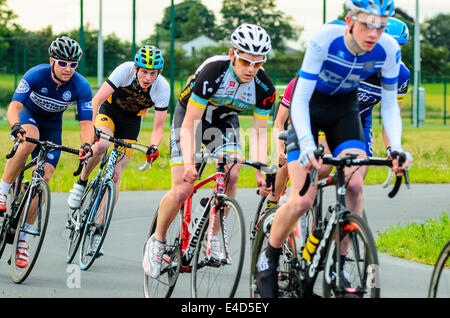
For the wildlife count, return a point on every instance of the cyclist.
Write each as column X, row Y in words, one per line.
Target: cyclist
column 369, row 95
column 325, row 98
column 121, row 102
column 222, row 87
column 36, row 110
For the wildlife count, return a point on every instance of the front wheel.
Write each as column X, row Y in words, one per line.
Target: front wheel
column 440, row 279
column 30, row 231
column 359, row 268
column 97, row 224
column 219, row 278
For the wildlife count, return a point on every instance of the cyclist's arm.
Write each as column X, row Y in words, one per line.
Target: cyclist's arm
column 12, row 115
column 103, row 93
column 86, row 132
column 158, row 125
column 280, row 121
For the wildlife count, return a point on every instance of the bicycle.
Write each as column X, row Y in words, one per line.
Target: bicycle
column 24, row 199
column 97, row 204
column 188, row 241
column 359, row 266
column 440, row 282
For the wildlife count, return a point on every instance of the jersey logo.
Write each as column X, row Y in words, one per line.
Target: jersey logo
column 23, row 87
column 269, row 99
column 369, row 66
column 232, row 84
column 67, row 95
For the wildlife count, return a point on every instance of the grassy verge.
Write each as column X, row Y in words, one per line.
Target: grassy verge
column 416, row 242
column 429, row 147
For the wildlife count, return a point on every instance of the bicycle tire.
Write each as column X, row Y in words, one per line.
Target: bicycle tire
column 163, row 286
column 363, row 271
column 258, row 216
column 86, row 255
column 287, row 287
column 436, row 276
column 41, row 190
column 75, row 233
column 204, row 276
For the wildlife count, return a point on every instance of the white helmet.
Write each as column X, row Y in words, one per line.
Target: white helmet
column 250, row 38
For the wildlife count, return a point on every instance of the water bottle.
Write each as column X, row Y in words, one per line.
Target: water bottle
column 311, row 245
column 197, row 214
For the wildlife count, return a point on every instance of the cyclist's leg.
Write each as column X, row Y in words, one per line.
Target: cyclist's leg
column 281, row 181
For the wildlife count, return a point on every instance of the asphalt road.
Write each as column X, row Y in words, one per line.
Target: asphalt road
column 119, row 272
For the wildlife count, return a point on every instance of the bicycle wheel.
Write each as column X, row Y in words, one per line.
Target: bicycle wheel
column 97, row 223
column 33, row 234
column 359, row 269
column 163, row 286
column 288, row 286
column 258, row 216
column 77, row 220
column 210, row 278
column 440, row 279
column 5, row 235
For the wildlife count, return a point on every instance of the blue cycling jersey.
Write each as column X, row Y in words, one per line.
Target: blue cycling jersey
column 369, row 92
column 39, row 93
column 331, row 68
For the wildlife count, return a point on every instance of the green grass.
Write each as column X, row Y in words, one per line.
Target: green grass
column 416, row 242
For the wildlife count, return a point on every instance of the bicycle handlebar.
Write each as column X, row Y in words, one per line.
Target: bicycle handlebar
column 352, row 160
column 99, row 134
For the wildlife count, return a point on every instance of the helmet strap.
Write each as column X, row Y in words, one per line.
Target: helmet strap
column 353, row 42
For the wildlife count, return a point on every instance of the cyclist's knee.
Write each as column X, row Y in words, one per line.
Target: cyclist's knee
column 299, row 205
column 181, row 193
column 355, row 187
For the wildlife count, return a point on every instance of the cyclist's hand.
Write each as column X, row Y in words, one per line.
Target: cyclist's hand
column 17, row 131
column 261, row 183
column 85, row 152
column 406, row 164
column 190, row 173
column 152, row 153
column 307, row 158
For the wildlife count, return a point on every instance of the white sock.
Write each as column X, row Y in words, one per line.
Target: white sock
column 23, row 236
column 4, row 187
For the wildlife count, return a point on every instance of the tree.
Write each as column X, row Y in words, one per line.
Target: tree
column 192, row 19
column 260, row 12
column 436, row 30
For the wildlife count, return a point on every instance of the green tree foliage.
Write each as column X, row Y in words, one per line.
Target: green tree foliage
column 436, row 31
column 261, row 12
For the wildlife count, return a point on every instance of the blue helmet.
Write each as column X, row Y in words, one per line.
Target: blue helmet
column 383, row 8
column 337, row 22
column 398, row 30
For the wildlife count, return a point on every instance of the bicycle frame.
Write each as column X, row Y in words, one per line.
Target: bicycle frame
column 189, row 240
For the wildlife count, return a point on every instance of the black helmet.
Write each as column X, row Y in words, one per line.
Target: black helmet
column 65, row 48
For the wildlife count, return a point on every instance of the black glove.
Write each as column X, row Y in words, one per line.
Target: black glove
column 17, row 129
column 86, row 148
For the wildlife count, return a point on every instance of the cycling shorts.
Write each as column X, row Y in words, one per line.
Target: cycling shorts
column 217, row 137
column 125, row 126
column 50, row 131
column 338, row 117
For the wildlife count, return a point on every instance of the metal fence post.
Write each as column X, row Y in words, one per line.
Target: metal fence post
column 445, row 101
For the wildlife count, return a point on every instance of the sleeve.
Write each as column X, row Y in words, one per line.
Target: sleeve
column 121, row 75
column 84, row 100
column 29, row 80
column 205, row 85
column 390, row 111
column 162, row 97
column 315, row 55
column 266, row 90
column 403, row 83
column 286, row 100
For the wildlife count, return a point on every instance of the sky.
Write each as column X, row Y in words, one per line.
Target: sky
column 64, row 15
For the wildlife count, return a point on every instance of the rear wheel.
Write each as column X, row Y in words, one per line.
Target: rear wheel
column 30, row 233
column 440, row 279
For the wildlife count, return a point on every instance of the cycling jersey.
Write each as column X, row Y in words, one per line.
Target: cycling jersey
column 215, row 87
column 133, row 99
column 369, row 92
column 39, row 93
column 330, row 68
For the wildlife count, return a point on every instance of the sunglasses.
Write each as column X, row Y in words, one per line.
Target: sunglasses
column 247, row 62
column 63, row 64
column 370, row 25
